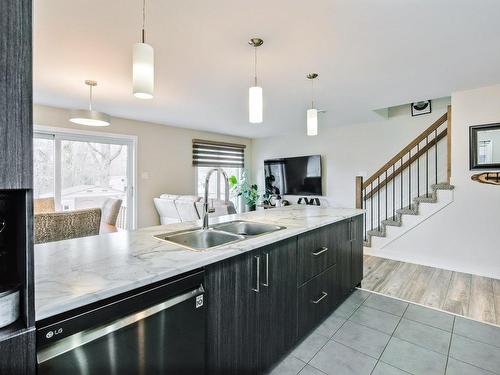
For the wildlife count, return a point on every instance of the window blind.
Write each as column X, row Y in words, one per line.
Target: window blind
column 218, row 154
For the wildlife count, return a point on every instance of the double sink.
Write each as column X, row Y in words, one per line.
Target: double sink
column 218, row 234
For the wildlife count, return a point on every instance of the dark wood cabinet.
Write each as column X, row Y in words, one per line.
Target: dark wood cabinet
column 349, row 237
column 17, row 354
column 316, row 299
column 17, row 341
column 252, row 313
column 357, row 250
column 16, row 122
column 232, row 323
column 316, row 251
column 262, row 302
column 278, row 301
column 342, row 235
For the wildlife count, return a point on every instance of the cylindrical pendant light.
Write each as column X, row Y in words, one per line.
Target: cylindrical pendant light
column 143, row 68
column 312, row 114
column 312, row 122
column 255, row 101
column 89, row 117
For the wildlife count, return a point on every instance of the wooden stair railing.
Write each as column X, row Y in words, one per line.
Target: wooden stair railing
column 406, row 164
column 369, row 192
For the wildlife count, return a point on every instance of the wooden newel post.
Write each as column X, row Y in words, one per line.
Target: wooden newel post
column 359, row 191
column 448, row 145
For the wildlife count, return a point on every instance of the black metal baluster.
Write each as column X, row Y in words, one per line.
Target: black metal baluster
column 393, row 192
column 401, row 183
column 363, row 203
column 371, row 204
column 386, row 204
column 427, row 167
column 378, row 203
column 409, row 178
column 418, row 169
column 436, row 153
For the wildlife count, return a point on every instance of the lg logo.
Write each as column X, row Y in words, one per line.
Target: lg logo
column 51, row 334
column 199, row 301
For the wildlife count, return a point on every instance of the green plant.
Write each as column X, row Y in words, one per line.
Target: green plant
column 244, row 189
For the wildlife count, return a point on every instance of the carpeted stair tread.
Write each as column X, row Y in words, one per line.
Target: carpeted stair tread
column 408, row 210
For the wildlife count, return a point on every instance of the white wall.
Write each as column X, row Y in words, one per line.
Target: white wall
column 347, row 150
column 163, row 152
column 464, row 236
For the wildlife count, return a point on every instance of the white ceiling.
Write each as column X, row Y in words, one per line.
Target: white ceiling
column 369, row 54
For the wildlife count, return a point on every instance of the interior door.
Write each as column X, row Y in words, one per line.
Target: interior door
column 278, row 301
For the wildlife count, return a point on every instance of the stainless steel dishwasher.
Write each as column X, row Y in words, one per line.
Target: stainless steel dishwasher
column 159, row 329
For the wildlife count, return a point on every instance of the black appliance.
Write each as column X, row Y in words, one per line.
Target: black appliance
column 293, row 176
column 159, row 329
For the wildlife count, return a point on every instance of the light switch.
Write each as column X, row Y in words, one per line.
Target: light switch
column 145, row 175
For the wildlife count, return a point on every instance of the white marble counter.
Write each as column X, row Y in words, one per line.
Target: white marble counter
column 73, row 273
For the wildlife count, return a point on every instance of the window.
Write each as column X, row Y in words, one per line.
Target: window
column 80, row 170
column 216, row 188
column 44, row 166
column 208, row 155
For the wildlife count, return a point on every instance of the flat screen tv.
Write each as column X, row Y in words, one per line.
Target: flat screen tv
column 293, row 176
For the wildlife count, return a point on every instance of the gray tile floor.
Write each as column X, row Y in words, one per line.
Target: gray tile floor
column 379, row 335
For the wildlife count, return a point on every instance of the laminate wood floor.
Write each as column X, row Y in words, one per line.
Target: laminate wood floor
column 469, row 295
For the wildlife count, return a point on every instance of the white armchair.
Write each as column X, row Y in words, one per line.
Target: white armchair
column 167, row 210
column 178, row 208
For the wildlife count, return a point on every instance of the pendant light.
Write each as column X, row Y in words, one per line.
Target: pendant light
column 255, row 102
column 89, row 117
column 143, row 69
column 312, row 113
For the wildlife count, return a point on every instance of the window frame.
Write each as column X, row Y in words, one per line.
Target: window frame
column 220, row 188
column 63, row 134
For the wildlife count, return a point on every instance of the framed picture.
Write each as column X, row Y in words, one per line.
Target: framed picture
column 484, row 146
column 421, row 108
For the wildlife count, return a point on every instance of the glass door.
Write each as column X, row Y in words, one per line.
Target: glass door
column 81, row 171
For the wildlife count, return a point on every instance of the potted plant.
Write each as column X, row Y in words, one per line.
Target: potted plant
column 246, row 190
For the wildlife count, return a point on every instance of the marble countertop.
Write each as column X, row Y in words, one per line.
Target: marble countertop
column 73, row 273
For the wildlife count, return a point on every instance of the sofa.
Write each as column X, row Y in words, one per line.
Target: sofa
column 174, row 208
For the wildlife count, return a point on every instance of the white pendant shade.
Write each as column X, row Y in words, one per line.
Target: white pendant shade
column 143, row 71
column 255, row 104
column 89, row 118
column 312, row 122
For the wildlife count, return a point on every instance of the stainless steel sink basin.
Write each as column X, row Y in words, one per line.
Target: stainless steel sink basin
column 199, row 239
column 247, row 228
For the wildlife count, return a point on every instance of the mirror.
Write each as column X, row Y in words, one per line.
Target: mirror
column 484, row 143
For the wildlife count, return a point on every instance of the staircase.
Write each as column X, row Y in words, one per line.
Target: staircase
column 409, row 188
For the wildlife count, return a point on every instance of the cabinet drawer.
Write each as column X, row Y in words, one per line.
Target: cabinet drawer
column 317, row 298
column 316, row 252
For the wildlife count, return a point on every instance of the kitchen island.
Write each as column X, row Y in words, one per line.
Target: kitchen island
column 265, row 291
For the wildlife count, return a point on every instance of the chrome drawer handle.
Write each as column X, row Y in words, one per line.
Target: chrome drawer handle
column 266, row 284
column 257, row 283
column 320, row 251
column 323, row 296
